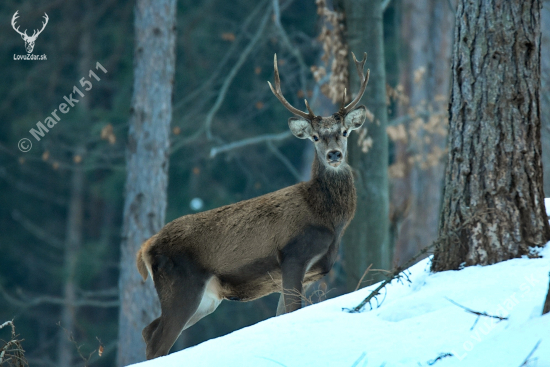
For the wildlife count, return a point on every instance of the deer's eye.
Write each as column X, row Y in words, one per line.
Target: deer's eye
column 345, row 133
column 315, row 137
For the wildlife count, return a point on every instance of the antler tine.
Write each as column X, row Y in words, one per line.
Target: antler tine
column 359, row 65
column 343, row 104
column 46, row 18
column 308, row 108
column 277, row 92
column 13, row 19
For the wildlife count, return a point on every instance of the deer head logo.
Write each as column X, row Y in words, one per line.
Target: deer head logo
column 29, row 40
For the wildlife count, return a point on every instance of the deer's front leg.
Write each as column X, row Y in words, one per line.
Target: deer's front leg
column 295, row 258
column 293, row 273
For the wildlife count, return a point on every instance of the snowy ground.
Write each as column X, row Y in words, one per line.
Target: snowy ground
column 415, row 324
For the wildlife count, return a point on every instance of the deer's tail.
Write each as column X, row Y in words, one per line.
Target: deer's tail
column 143, row 261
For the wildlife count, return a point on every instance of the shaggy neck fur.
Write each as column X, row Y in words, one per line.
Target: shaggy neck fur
column 331, row 192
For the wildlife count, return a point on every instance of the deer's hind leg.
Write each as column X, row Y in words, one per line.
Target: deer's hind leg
column 180, row 285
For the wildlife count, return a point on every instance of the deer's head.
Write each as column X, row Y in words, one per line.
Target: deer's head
column 329, row 134
column 29, row 40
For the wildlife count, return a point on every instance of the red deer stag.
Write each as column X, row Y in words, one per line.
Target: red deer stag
column 279, row 242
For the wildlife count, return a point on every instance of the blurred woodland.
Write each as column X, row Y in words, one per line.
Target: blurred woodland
column 61, row 203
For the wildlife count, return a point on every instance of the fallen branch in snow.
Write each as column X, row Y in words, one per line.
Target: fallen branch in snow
column 526, row 361
column 479, row 314
column 363, row 355
column 439, row 358
column 396, row 274
column 12, row 352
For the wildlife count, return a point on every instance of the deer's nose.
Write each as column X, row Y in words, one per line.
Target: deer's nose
column 334, row 156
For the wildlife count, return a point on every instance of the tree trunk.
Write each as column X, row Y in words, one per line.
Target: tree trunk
column 416, row 193
column 493, row 207
column 545, row 96
column 367, row 239
column 73, row 242
column 73, row 238
column 147, row 166
column 546, row 307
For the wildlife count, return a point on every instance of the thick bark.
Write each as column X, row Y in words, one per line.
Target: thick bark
column 493, row 207
column 367, row 238
column 545, row 96
column 147, row 166
column 416, row 196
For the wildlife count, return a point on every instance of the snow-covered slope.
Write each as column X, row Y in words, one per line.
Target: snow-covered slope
column 415, row 324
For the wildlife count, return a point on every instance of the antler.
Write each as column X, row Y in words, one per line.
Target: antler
column 15, row 16
column 364, row 81
column 35, row 35
column 277, row 92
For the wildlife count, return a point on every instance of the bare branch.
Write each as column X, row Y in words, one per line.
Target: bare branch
column 29, row 302
column 394, row 275
column 277, row 153
column 476, row 312
column 362, row 277
column 292, row 49
column 233, row 73
column 36, row 231
column 526, row 361
column 31, row 190
column 249, row 141
column 234, row 47
column 12, row 351
column 8, row 323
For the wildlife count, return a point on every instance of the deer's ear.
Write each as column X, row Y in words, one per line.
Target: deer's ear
column 301, row 128
column 355, row 118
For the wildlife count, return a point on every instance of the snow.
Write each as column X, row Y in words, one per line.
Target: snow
column 416, row 323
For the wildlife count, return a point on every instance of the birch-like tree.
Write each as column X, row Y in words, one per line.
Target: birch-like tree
column 147, row 166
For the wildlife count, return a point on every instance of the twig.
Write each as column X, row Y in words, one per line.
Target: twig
column 362, row 277
column 227, row 82
column 476, row 312
column 12, row 351
column 530, row 354
column 8, row 323
column 292, row 49
column 356, row 363
column 439, row 357
column 234, row 47
column 272, row 360
column 71, row 338
column 394, row 274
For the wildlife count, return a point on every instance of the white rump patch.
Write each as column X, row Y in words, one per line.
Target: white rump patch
column 209, row 302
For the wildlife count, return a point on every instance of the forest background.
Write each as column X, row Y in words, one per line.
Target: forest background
column 61, row 203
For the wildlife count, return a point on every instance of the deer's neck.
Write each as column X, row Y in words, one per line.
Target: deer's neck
column 331, row 193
